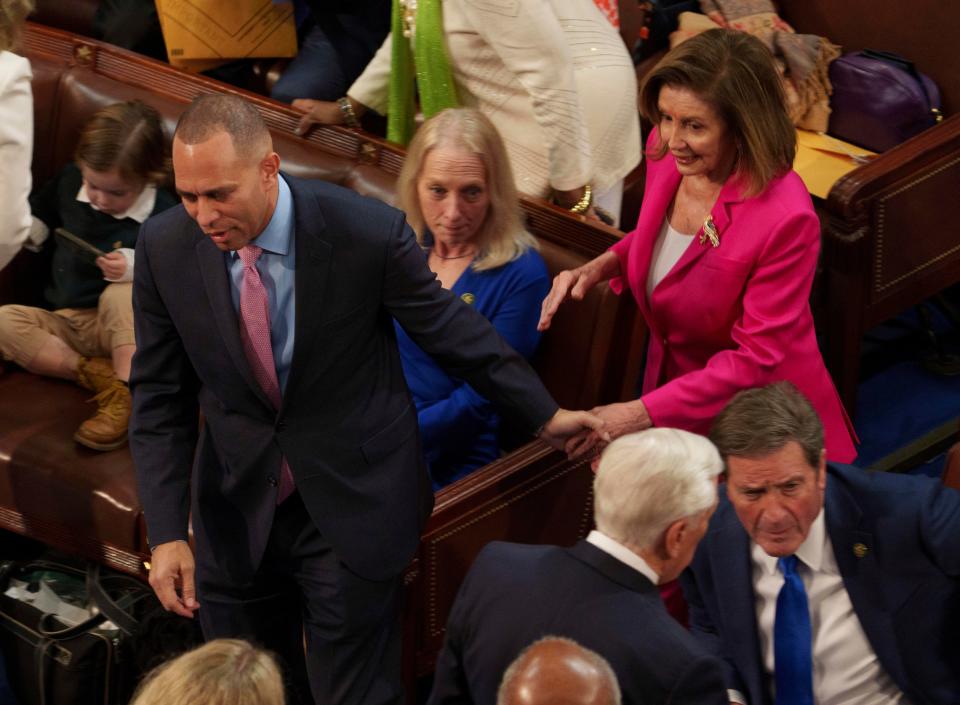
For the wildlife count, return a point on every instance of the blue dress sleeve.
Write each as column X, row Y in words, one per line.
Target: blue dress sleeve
column 510, row 297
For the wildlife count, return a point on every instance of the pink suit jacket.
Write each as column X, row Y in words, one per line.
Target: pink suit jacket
column 735, row 316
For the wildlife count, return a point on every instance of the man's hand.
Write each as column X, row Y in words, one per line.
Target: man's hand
column 576, row 432
column 171, row 577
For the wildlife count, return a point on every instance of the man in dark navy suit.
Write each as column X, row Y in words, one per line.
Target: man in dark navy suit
column 267, row 302
column 653, row 497
column 872, row 559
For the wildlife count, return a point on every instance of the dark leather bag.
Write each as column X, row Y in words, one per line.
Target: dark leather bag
column 880, row 100
column 50, row 663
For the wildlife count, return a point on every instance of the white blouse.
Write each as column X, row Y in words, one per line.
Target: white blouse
column 670, row 247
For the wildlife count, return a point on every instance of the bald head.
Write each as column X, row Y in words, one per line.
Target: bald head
column 209, row 115
column 558, row 671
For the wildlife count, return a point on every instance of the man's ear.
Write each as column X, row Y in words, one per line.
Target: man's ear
column 673, row 538
column 270, row 167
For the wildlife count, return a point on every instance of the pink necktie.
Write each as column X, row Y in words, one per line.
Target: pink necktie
column 255, row 334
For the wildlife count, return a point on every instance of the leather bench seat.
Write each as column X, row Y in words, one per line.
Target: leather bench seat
column 56, row 491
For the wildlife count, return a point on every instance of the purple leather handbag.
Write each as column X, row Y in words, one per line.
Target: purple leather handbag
column 880, row 99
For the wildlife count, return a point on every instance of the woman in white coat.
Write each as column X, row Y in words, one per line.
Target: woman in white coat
column 553, row 76
column 16, row 132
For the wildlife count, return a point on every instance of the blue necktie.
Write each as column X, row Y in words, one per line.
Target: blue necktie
column 792, row 639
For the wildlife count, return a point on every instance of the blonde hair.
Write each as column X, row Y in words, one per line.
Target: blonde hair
column 221, row 672
column 734, row 72
column 502, row 237
column 127, row 137
column 12, row 15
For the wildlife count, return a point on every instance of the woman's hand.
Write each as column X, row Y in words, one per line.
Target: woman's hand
column 318, row 112
column 575, row 283
column 618, row 420
column 113, row 265
column 623, row 418
column 323, row 112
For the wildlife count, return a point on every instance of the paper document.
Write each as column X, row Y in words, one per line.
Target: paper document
column 821, row 160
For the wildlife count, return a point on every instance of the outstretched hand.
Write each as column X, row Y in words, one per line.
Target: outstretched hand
column 574, row 432
column 575, row 283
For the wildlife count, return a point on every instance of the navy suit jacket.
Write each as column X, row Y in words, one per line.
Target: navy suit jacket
column 346, row 426
column 516, row 594
column 905, row 587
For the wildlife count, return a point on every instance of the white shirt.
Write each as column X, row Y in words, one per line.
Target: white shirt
column 846, row 670
column 623, row 554
column 671, row 244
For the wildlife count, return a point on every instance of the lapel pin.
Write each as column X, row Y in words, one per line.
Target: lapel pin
column 468, row 298
column 860, row 550
column 709, row 232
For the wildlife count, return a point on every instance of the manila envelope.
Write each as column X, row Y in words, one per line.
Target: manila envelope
column 821, row 160
column 227, row 29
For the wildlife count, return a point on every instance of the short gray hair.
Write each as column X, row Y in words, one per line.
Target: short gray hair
column 650, row 479
column 221, row 112
column 534, row 651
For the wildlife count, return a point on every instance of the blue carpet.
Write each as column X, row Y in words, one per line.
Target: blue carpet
column 899, row 401
column 899, row 405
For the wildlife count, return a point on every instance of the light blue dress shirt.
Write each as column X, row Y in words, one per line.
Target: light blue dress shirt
column 277, row 268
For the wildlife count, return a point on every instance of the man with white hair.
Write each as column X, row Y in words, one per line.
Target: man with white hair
column 555, row 670
column 653, row 497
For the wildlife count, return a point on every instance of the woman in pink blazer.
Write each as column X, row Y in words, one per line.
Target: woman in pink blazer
column 723, row 256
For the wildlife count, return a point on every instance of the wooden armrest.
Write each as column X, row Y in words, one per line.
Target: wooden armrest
column 915, row 158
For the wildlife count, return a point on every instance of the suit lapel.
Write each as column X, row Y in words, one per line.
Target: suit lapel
column 314, row 254
column 732, row 572
column 213, row 269
column 872, row 594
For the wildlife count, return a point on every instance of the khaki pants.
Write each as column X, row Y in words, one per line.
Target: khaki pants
column 92, row 332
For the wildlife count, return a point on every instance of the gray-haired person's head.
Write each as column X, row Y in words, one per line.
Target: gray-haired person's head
column 648, row 480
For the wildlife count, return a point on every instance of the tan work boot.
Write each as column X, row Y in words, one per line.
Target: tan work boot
column 107, row 429
column 95, row 373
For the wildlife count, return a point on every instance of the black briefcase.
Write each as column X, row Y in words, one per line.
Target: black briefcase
column 89, row 663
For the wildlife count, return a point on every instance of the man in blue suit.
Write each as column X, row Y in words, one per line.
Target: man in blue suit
column 824, row 583
column 267, row 302
column 653, row 496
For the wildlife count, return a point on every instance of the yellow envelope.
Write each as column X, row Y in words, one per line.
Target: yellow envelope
column 227, row 29
column 821, row 160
